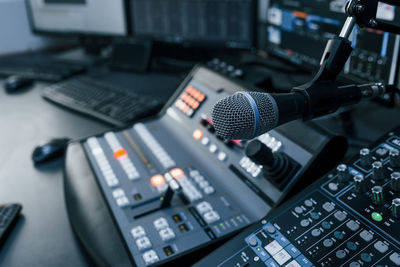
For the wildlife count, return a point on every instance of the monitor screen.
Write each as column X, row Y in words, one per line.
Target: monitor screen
column 299, row 30
column 228, row 23
column 98, row 17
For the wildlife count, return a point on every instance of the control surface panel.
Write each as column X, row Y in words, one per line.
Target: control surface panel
column 173, row 187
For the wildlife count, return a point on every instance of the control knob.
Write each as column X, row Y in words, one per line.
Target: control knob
column 343, row 173
column 377, row 195
column 378, row 173
column 395, row 181
column 276, row 166
column 360, row 184
column 396, row 207
column 365, row 158
column 394, row 155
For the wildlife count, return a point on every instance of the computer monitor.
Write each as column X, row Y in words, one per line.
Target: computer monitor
column 298, row 31
column 87, row 17
column 221, row 23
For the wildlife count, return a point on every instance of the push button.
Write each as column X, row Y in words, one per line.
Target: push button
column 167, row 234
column 395, row 258
column 143, row 243
column 367, row 236
column 150, row 257
column 211, row 216
column 273, row 247
column 293, row 251
column 340, row 216
column 381, row 247
column 352, row 225
column 281, row 257
column 328, row 206
column 160, row 223
column 138, row 232
column 204, row 207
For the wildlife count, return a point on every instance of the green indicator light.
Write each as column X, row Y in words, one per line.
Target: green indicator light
column 215, row 226
column 238, row 217
column 221, row 224
column 161, row 198
column 258, row 249
column 376, row 217
column 232, row 220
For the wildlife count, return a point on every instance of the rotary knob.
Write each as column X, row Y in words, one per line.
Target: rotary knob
column 396, row 207
column 377, row 195
column 343, row 173
column 377, row 168
column 395, row 181
column 360, row 184
column 365, row 158
column 394, row 155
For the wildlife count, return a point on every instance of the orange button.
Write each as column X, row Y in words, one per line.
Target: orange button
column 201, row 98
column 195, row 105
column 189, row 89
column 120, row 153
column 157, row 180
column 197, row 134
column 176, row 173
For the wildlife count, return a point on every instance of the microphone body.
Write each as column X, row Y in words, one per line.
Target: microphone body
column 245, row 115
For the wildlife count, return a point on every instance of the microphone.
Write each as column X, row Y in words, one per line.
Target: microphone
column 245, row 115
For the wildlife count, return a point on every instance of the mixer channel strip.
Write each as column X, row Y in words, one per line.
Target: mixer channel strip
column 154, row 146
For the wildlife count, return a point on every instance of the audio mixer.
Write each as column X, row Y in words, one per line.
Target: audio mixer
column 350, row 217
column 172, row 187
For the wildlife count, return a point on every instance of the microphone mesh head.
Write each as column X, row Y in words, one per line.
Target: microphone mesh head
column 234, row 116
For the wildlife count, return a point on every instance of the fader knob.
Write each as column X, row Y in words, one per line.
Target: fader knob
column 395, row 181
column 360, row 184
column 396, row 207
column 365, row 158
column 343, row 173
column 377, row 168
column 394, row 155
column 377, row 195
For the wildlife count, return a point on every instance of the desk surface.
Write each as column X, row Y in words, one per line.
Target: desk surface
column 43, row 236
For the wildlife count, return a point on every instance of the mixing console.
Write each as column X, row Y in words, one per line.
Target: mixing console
column 173, row 186
column 350, row 217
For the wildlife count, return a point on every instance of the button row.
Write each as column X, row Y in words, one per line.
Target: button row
column 250, row 167
column 143, row 242
column 207, row 188
column 213, row 148
column 190, row 100
column 207, row 212
column 120, row 197
column 122, row 156
column 270, row 141
column 165, row 232
column 189, row 190
column 155, row 147
column 102, row 162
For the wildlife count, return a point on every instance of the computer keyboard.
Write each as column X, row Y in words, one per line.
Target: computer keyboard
column 45, row 70
column 8, row 216
column 101, row 101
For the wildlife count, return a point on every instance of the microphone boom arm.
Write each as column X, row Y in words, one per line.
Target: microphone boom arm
column 322, row 94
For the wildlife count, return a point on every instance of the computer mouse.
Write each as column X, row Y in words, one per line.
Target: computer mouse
column 50, row 151
column 14, row 83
